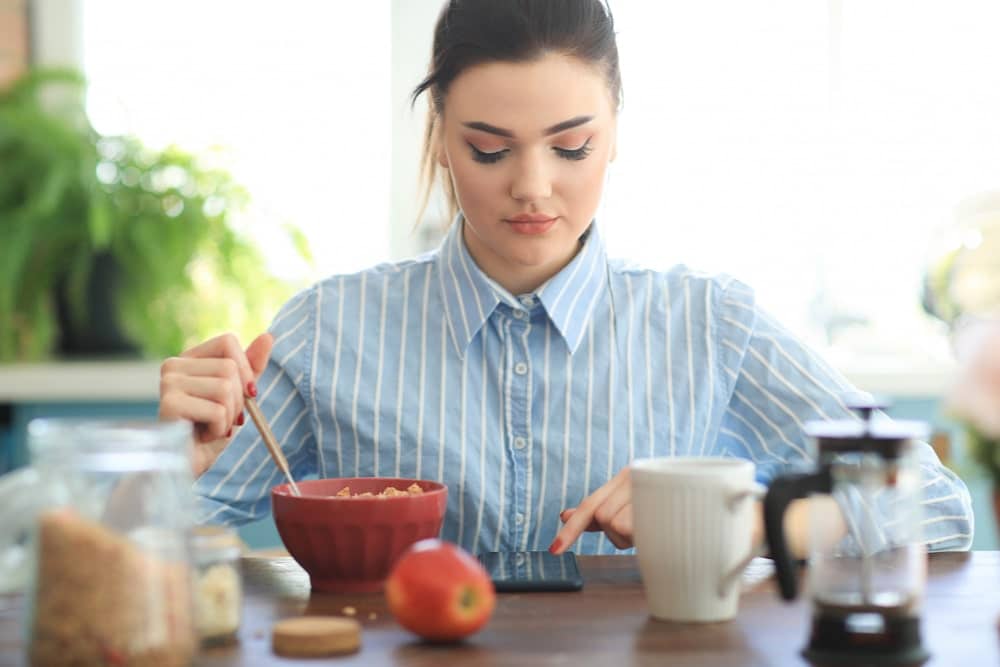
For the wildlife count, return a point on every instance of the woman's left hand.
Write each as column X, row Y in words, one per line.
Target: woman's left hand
column 609, row 508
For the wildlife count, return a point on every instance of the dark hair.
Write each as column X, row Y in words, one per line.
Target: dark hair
column 471, row 32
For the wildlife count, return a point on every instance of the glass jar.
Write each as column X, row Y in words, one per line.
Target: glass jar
column 107, row 506
column 218, row 584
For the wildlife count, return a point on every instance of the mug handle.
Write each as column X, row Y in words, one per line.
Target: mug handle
column 735, row 499
column 21, row 498
column 783, row 491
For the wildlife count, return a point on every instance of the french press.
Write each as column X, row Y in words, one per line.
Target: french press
column 867, row 565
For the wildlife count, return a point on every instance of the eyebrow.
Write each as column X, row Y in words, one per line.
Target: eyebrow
column 555, row 129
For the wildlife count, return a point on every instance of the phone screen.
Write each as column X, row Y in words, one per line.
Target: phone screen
column 532, row 571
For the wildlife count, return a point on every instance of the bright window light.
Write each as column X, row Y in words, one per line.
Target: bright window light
column 812, row 149
column 292, row 97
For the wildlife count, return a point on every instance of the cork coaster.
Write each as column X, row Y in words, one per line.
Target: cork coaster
column 315, row 636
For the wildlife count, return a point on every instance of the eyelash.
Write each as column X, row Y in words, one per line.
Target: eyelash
column 575, row 153
column 565, row 153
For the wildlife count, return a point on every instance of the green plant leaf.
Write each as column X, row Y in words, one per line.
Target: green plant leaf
column 187, row 271
column 300, row 242
column 99, row 223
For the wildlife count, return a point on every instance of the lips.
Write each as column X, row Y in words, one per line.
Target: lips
column 531, row 217
column 531, row 223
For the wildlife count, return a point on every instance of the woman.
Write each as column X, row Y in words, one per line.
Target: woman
column 517, row 363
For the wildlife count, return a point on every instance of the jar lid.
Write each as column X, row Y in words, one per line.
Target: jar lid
column 213, row 543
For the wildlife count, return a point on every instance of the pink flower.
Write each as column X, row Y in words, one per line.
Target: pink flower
column 975, row 398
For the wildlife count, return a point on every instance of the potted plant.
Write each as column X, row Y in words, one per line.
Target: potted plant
column 110, row 247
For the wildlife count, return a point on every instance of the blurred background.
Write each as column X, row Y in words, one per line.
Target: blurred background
column 169, row 171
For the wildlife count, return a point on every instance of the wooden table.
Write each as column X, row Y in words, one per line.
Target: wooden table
column 606, row 624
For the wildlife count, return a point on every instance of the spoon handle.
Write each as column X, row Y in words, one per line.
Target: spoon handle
column 272, row 444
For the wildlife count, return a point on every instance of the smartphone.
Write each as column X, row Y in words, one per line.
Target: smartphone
column 528, row 571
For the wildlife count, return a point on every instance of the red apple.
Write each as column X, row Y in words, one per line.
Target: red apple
column 439, row 591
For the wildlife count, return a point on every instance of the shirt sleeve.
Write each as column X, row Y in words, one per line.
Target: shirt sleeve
column 779, row 384
column 236, row 489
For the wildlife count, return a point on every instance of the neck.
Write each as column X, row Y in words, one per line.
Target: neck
column 515, row 278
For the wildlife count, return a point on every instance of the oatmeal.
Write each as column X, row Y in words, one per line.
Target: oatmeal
column 388, row 492
column 102, row 600
column 219, row 588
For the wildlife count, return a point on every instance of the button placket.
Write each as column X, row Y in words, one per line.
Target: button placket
column 519, row 426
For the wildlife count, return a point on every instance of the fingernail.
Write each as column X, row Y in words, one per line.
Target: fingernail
column 230, row 433
column 554, row 547
column 241, row 419
column 252, row 389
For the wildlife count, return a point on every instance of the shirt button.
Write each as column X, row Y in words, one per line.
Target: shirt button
column 520, row 443
column 527, row 301
column 520, row 368
column 519, row 314
column 519, row 519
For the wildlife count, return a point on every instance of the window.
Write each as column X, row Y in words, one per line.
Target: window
column 293, row 98
column 811, row 149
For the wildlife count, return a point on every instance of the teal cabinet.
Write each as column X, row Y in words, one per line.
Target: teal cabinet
column 263, row 534
column 14, row 452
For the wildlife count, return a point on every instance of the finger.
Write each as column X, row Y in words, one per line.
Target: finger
column 212, row 367
column 619, row 530
column 223, row 372
column 612, row 505
column 212, row 417
column 259, row 351
column 566, row 514
column 226, row 346
column 620, row 541
column 584, row 514
column 222, row 391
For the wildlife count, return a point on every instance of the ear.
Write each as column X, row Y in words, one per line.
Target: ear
column 438, row 142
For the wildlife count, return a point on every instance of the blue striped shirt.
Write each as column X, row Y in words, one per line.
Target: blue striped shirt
column 525, row 404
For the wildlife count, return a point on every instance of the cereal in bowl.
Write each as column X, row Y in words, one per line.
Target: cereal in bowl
column 388, row 492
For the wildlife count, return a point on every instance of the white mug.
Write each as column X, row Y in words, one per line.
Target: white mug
column 692, row 527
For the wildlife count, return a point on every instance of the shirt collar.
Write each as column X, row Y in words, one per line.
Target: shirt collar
column 569, row 296
column 470, row 296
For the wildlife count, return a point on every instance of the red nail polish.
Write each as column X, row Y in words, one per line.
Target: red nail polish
column 229, row 434
column 252, row 389
column 554, row 547
column 241, row 420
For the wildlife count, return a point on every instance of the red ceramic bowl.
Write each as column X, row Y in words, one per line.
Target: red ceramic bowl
column 349, row 544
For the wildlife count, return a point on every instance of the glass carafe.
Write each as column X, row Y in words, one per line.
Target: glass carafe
column 867, row 564
column 107, row 509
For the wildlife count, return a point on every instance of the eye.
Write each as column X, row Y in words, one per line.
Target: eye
column 487, row 157
column 574, row 153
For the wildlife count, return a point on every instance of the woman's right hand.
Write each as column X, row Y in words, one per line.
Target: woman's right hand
column 206, row 386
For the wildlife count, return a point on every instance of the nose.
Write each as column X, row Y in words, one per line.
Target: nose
column 531, row 181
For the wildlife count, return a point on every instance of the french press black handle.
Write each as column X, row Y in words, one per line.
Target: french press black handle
column 782, row 491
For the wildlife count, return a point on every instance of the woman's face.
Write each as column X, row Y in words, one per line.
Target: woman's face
column 527, row 145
